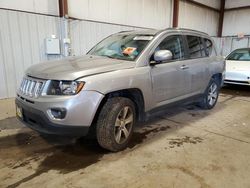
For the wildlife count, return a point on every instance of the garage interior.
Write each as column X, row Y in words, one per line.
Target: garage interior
column 182, row 146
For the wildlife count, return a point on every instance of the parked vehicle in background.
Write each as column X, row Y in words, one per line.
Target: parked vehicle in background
column 238, row 67
column 120, row 81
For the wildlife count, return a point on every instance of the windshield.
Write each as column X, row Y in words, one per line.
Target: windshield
column 121, row 46
column 240, row 55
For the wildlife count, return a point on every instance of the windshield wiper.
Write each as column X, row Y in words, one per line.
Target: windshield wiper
column 109, row 56
column 118, row 58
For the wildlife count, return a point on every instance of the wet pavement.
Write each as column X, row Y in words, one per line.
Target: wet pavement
column 27, row 158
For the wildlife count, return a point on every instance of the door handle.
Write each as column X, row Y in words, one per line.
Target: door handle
column 183, row 67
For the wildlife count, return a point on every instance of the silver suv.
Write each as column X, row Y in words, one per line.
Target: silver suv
column 120, row 81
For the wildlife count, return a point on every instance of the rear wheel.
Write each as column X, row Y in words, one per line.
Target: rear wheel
column 115, row 123
column 211, row 95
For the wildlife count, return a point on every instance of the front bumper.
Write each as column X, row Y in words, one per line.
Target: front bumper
column 80, row 112
column 237, row 77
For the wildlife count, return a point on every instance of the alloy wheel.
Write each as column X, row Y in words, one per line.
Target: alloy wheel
column 212, row 94
column 123, row 124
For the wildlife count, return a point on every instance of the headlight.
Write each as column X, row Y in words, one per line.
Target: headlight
column 64, row 87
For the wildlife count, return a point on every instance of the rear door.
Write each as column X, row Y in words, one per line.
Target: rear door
column 197, row 63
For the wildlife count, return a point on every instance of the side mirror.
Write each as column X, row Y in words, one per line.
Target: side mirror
column 162, row 55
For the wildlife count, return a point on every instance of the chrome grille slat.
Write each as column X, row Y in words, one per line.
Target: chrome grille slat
column 25, row 85
column 31, row 87
column 22, row 84
column 38, row 88
column 27, row 88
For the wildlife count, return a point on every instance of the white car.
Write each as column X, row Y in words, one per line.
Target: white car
column 238, row 67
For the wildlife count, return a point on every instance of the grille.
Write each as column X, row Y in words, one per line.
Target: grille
column 31, row 87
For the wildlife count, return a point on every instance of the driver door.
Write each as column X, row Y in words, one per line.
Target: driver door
column 170, row 79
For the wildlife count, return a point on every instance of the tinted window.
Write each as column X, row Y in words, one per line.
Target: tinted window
column 196, row 48
column 209, row 47
column 174, row 44
column 240, row 55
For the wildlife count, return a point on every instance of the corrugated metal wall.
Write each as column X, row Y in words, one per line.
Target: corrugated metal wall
column 85, row 34
column 194, row 17
column 238, row 3
column 38, row 6
column 236, row 22
column 22, row 36
column 21, row 45
column 143, row 13
column 226, row 45
column 22, row 42
column 211, row 3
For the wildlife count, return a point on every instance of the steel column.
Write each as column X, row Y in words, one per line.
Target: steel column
column 175, row 13
column 221, row 18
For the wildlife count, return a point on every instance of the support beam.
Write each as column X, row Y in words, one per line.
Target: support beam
column 237, row 8
column 221, row 18
column 63, row 8
column 201, row 5
column 64, row 27
column 175, row 13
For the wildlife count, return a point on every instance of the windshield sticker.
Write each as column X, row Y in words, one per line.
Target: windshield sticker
column 129, row 50
column 143, row 38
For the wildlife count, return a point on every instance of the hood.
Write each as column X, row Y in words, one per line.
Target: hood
column 73, row 68
column 238, row 66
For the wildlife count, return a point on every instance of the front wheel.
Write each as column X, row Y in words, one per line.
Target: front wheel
column 211, row 95
column 115, row 123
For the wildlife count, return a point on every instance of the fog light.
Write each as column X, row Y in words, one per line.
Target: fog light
column 57, row 113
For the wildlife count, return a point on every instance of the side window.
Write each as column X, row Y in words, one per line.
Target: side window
column 196, row 47
column 174, row 44
column 209, row 47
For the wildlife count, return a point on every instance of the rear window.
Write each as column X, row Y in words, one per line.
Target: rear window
column 196, row 47
column 240, row 55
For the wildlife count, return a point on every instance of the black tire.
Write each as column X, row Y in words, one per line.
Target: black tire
column 111, row 114
column 209, row 99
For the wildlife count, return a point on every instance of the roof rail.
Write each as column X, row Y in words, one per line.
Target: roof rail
column 125, row 31
column 184, row 29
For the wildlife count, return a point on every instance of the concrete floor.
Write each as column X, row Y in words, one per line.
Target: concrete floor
column 184, row 147
column 7, row 109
